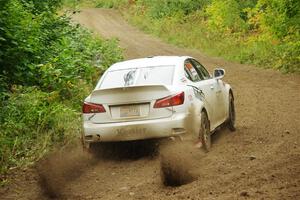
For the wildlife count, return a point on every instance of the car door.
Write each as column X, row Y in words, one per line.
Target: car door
column 203, row 85
column 217, row 89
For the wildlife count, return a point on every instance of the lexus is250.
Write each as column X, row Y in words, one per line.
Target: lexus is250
column 152, row 98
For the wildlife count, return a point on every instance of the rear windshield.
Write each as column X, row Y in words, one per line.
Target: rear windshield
column 155, row 75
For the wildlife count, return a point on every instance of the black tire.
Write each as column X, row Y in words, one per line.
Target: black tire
column 204, row 133
column 231, row 117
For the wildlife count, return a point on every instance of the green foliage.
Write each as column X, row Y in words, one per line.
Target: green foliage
column 46, row 50
column 225, row 15
column 38, row 6
column 48, row 66
column 280, row 18
column 96, row 3
column 157, row 9
column 110, row 3
column 31, row 121
column 260, row 32
column 278, row 23
column 289, row 56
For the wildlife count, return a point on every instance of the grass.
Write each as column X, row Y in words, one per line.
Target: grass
column 55, row 70
column 231, row 37
column 183, row 33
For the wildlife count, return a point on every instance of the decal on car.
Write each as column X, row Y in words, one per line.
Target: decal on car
column 129, row 77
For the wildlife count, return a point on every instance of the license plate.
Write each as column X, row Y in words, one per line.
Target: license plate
column 130, row 111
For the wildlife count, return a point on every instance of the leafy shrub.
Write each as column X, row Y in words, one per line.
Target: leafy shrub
column 289, row 56
column 48, row 65
column 262, row 32
column 162, row 8
column 278, row 23
column 225, row 15
column 278, row 17
column 110, row 3
column 30, row 123
column 48, row 51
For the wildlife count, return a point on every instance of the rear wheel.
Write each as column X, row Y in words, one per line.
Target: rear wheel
column 231, row 117
column 204, row 133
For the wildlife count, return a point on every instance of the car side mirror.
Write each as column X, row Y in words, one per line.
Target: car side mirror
column 219, row 73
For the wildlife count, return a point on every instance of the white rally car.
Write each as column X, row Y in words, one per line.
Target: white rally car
column 152, row 98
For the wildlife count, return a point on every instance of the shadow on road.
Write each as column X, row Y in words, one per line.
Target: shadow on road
column 129, row 150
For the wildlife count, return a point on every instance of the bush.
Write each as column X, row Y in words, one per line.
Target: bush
column 30, row 123
column 225, row 16
column 163, row 8
column 261, row 32
column 110, row 3
column 48, row 66
column 47, row 50
column 289, row 56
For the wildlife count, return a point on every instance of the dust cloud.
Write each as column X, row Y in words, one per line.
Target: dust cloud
column 61, row 167
column 67, row 164
column 176, row 156
column 176, row 163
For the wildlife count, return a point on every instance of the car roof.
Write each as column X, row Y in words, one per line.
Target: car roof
column 149, row 61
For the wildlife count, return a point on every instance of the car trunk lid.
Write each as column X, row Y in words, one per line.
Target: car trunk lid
column 130, row 103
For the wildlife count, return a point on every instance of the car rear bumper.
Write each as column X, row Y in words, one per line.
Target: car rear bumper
column 134, row 130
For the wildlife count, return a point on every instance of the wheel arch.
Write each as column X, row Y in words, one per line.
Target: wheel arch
column 203, row 109
column 228, row 92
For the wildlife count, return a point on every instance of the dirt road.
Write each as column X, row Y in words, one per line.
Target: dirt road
column 261, row 160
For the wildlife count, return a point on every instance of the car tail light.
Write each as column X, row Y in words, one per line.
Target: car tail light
column 92, row 108
column 174, row 100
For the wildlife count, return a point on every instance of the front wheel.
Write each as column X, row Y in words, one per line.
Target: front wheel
column 204, row 133
column 231, row 117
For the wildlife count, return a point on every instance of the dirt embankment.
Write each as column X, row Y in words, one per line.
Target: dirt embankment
column 261, row 160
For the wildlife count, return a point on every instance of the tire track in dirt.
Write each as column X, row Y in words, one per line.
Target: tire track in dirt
column 261, row 160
